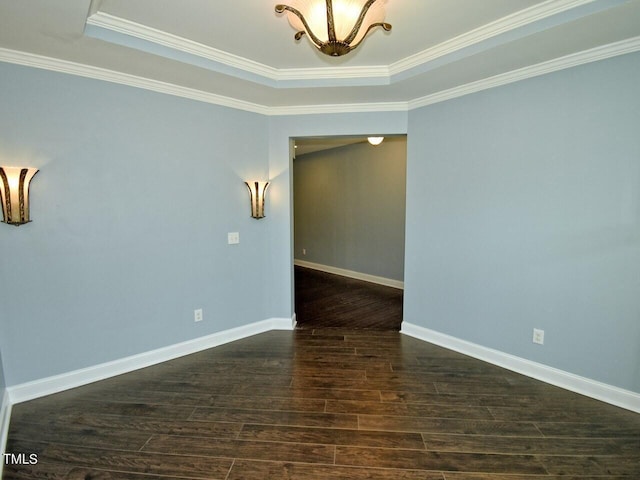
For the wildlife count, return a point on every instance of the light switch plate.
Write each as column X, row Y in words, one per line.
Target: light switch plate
column 538, row 336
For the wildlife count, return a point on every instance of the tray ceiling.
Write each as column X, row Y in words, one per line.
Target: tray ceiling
column 242, row 54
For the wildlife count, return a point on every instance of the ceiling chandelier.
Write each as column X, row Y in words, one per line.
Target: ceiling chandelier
column 335, row 28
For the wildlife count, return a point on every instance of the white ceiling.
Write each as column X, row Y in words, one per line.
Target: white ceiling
column 307, row 145
column 241, row 53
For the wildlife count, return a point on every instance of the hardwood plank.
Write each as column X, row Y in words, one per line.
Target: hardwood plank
column 407, row 409
column 55, row 460
column 398, row 379
column 339, row 383
column 251, row 470
column 80, row 435
column 40, row 471
column 529, row 445
column 337, row 349
column 469, row 400
column 81, row 473
column 305, row 357
column 350, row 365
column 347, row 332
column 290, row 452
column 164, row 463
column 363, row 384
column 498, row 476
column 593, row 465
column 438, row 461
column 449, row 367
column 331, row 393
column 331, row 436
column 181, row 387
column 311, row 393
column 109, row 408
column 461, row 386
column 328, row 420
column 459, row 426
column 122, row 424
column 212, row 382
column 562, row 414
column 348, row 375
column 587, row 429
column 150, row 396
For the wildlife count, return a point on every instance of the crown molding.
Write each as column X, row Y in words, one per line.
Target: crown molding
column 111, row 23
column 339, row 108
column 98, row 73
column 377, row 72
column 588, row 56
column 72, row 68
column 630, row 45
column 486, row 32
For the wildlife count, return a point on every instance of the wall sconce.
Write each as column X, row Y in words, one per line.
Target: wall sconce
column 14, row 194
column 375, row 141
column 257, row 192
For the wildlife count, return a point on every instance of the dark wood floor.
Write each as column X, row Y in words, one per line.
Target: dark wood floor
column 323, row 404
column 324, row 300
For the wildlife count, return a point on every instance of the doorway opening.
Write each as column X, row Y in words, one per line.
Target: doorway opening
column 349, row 202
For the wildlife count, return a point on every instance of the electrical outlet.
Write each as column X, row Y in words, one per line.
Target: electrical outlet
column 197, row 315
column 538, row 336
column 304, row 251
column 233, row 238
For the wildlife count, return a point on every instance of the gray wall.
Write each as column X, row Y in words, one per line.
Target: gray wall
column 131, row 208
column 349, row 207
column 523, row 211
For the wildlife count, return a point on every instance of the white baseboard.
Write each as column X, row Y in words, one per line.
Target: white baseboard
column 5, row 416
column 575, row 383
column 387, row 282
column 58, row 383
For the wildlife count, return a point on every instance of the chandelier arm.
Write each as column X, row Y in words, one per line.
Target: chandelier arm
column 358, row 24
column 385, row 26
column 331, row 26
column 281, row 8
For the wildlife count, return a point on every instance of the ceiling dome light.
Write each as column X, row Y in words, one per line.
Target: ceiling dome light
column 335, row 27
column 375, row 141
